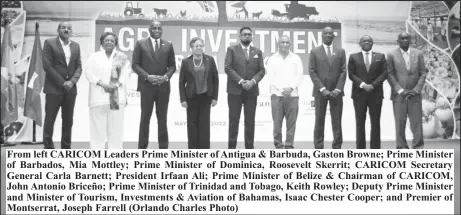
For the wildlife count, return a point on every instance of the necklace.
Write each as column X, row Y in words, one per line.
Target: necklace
column 201, row 60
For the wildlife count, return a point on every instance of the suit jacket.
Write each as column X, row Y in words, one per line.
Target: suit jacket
column 238, row 68
column 56, row 68
column 401, row 78
column 146, row 62
column 323, row 74
column 187, row 88
column 376, row 75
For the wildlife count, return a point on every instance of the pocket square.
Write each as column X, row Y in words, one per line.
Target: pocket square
column 256, row 56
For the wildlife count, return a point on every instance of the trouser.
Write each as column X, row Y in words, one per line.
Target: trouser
column 52, row 105
column 198, row 122
column 374, row 104
column 161, row 97
column 284, row 107
column 235, row 103
column 106, row 124
column 413, row 109
column 336, row 111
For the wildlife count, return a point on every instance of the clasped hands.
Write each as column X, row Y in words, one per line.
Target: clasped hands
column 108, row 88
column 247, row 84
column 68, row 85
column 333, row 94
column 409, row 94
column 213, row 103
column 156, row 79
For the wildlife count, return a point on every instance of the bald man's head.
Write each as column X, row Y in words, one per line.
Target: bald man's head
column 404, row 40
column 366, row 42
column 328, row 36
column 155, row 29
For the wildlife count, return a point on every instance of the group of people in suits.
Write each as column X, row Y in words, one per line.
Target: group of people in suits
column 154, row 63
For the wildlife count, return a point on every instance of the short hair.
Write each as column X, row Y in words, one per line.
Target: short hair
column 105, row 34
column 366, row 35
column 195, row 39
column 243, row 28
column 59, row 25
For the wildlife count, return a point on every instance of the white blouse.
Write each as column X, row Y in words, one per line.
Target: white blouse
column 98, row 69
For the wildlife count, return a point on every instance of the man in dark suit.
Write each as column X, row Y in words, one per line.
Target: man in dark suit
column 63, row 67
column 244, row 67
column 367, row 71
column 154, row 62
column 407, row 73
column 327, row 69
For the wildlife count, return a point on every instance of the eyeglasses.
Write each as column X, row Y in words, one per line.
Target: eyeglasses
column 247, row 34
column 109, row 40
column 198, row 46
column 64, row 28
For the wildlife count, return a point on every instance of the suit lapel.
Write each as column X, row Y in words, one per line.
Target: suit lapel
column 72, row 52
column 373, row 60
column 401, row 60
column 241, row 52
column 207, row 66
column 61, row 51
column 333, row 56
column 191, row 64
column 412, row 57
column 150, row 47
column 325, row 56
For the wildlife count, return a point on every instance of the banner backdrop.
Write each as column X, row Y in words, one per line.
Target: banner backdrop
column 218, row 23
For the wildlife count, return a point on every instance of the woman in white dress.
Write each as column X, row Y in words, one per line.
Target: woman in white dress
column 107, row 72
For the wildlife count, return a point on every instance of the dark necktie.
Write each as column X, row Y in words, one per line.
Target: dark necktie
column 367, row 62
column 329, row 54
column 156, row 47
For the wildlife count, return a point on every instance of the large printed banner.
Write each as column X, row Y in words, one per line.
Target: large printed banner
column 218, row 23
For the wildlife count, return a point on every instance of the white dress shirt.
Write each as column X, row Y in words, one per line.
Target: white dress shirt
column 99, row 68
column 66, row 49
column 248, row 52
column 403, row 55
column 153, row 43
column 365, row 61
column 284, row 73
column 159, row 46
column 332, row 53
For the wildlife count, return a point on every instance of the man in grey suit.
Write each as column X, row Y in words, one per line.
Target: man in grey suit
column 244, row 66
column 407, row 73
column 327, row 69
column 154, row 62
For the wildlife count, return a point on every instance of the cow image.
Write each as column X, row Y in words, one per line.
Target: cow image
column 277, row 13
column 256, row 15
column 160, row 11
column 183, row 14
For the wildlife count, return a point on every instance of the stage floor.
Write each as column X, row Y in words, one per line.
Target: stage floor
column 429, row 144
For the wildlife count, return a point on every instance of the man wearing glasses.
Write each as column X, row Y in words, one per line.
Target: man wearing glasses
column 154, row 62
column 63, row 67
column 244, row 67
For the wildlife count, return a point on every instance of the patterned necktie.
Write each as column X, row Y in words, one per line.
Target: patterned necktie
column 245, row 50
column 367, row 61
column 329, row 54
column 406, row 57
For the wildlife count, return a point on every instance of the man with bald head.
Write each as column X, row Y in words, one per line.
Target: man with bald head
column 285, row 71
column 367, row 71
column 154, row 62
column 407, row 73
column 63, row 67
column 327, row 69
